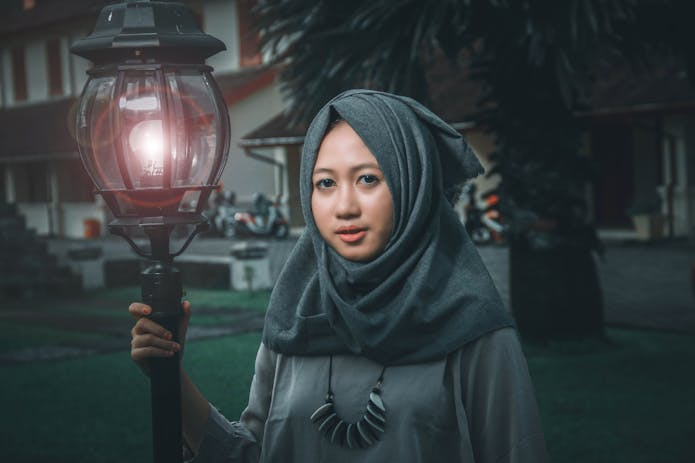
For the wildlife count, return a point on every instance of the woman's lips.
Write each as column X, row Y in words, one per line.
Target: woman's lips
column 351, row 234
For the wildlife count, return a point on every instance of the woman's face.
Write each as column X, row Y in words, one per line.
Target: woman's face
column 350, row 201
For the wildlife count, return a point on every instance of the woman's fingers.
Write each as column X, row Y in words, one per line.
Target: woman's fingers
column 138, row 309
column 146, row 344
column 147, row 326
column 147, row 351
column 150, row 340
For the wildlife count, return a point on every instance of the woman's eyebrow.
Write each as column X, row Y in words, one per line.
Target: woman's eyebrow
column 366, row 165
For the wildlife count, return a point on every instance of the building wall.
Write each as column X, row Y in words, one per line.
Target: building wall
column 655, row 155
column 679, row 149
column 220, row 20
column 73, row 68
column 242, row 174
column 37, row 73
column 76, row 67
column 37, row 216
column 61, row 209
column 64, row 214
column 7, row 93
column 646, row 175
column 75, row 214
column 65, row 65
column 292, row 154
column 4, row 76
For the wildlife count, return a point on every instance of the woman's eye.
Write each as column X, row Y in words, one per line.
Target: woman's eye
column 368, row 179
column 324, row 183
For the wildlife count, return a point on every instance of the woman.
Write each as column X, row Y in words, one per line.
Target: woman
column 385, row 339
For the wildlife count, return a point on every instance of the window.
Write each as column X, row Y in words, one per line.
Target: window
column 74, row 184
column 55, row 69
column 19, row 74
column 31, row 182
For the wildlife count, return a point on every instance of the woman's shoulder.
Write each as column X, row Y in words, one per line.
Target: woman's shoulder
column 504, row 336
column 499, row 343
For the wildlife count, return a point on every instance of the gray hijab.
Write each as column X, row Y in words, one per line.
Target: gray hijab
column 428, row 293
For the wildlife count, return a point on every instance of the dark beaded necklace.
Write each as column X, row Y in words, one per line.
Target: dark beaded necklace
column 361, row 434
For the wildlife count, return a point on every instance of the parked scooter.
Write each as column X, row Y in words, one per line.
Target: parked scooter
column 264, row 219
column 483, row 221
column 221, row 212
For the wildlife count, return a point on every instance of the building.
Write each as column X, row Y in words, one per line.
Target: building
column 639, row 133
column 639, row 128
column 40, row 83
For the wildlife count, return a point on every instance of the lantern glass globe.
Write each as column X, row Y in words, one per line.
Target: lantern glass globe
column 152, row 127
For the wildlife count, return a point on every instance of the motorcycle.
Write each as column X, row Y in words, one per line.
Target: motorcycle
column 264, row 219
column 221, row 212
column 483, row 222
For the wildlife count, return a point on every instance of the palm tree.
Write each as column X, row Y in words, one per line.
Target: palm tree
column 533, row 60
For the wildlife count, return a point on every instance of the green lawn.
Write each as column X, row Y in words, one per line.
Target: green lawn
column 105, row 307
column 96, row 408
column 631, row 399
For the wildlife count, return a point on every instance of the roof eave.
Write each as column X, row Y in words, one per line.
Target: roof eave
column 270, row 142
column 637, row 110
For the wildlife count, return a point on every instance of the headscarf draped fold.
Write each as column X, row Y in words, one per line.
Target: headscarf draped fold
column 428, row 293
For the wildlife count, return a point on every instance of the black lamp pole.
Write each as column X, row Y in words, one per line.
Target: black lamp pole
column 153, row 134
column 162, row 290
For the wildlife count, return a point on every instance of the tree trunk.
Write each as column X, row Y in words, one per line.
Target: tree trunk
column 555, row 293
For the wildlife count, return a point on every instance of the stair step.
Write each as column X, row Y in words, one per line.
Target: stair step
column 27, row 268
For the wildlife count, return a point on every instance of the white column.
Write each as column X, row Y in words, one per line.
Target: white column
column 10, row 196
column 675, row 149
column 55, row 210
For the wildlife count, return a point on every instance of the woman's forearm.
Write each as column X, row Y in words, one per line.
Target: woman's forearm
column 195, row 412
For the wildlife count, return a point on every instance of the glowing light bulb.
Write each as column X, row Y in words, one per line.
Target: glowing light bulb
column 146, row 141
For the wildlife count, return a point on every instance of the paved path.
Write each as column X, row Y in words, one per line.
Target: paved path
column 114, row 331
column 643, row 284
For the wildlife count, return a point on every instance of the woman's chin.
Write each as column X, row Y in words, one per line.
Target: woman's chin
column 356, row 253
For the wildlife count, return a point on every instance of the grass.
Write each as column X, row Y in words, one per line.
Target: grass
column 96, row 408
column 108, row 306
column 630, row 399
column 13, row 335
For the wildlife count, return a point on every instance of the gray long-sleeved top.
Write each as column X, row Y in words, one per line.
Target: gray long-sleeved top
column 476, row 405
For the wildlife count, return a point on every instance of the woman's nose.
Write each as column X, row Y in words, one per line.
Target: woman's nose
column 347, row 203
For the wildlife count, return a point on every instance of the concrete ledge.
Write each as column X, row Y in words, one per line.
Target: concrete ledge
column 210, row 272
column 208, row 263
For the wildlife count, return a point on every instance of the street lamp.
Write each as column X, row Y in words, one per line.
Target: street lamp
column 153, row 134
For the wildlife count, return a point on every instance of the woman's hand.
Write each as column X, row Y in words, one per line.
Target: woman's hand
column 149, row 339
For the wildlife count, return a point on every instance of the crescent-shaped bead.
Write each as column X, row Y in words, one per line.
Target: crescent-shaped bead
column 328, row 423
column 338, row 434
column 371, row 430
column 349, row 436
column 363, row 433
column 376, row 413
column 376, row 400
column 375, row 426
column 322, row 411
